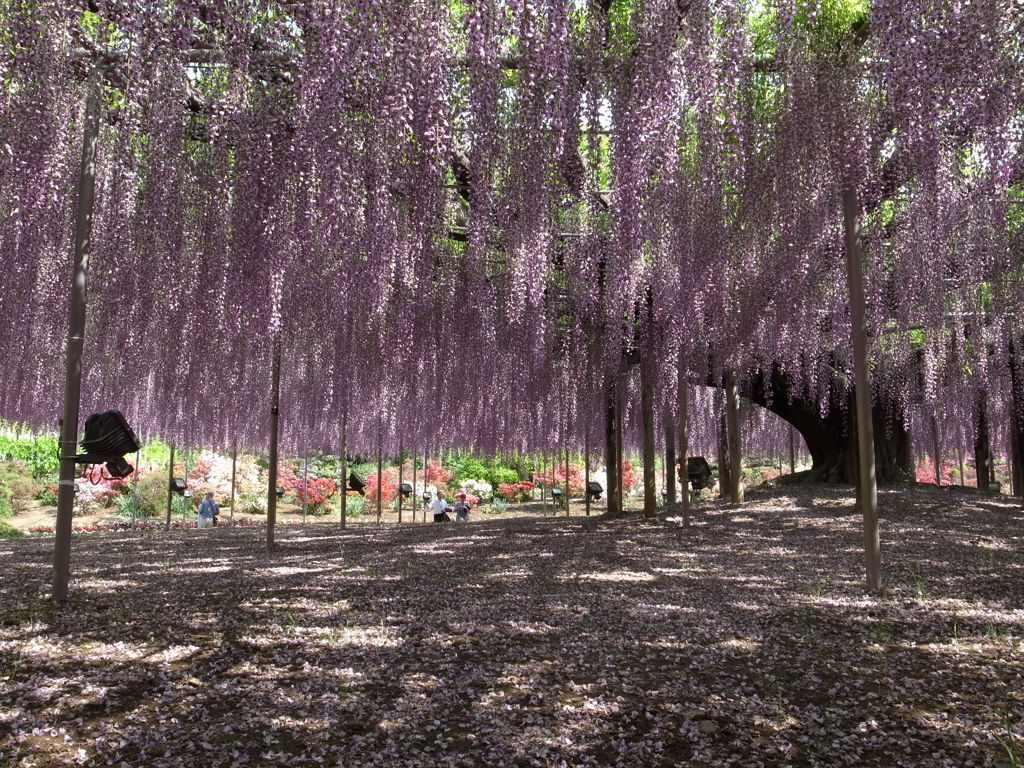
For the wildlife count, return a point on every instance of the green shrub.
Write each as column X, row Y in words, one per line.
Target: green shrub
column 499, row 506
column 152, row 494
column 24, row 487
column 355, row 506
column 6, row 508
column 8, row 531
column 252, row 505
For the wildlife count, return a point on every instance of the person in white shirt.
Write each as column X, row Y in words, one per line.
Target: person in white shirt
column 438, row 507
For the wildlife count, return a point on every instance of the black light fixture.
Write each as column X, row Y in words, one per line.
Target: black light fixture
column 178, row 485
column 698, row 472
column 187, row 493
column 106, row 439
column 279, row 491
column 556, row 493
column 594, row 490
column 405, row 489
column 356, row 483
column 426, row 497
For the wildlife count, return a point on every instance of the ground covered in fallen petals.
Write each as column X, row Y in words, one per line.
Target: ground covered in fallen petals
column 743, row 640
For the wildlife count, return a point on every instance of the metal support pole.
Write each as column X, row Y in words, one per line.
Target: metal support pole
column 76, row 339
column 275, row 401
column 868, row 489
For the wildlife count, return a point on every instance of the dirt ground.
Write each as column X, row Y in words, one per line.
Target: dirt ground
column 746, row 639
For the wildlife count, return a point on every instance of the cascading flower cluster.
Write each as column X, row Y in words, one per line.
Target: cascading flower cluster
column 540, row 191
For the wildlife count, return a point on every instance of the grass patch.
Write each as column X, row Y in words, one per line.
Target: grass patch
column 8, row 531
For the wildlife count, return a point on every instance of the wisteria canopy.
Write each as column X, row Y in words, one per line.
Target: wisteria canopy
column 459, row 220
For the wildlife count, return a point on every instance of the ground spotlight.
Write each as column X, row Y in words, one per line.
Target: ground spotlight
column 106, row 439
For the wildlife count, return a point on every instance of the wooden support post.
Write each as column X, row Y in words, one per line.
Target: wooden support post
column 305, row 485
column 275, row 401
column 620, row 406
column 724, row 481
column 936, row 455
column 415, row 496
column 1017, row 416
column 732, row 422
column 647, row 439
column 76, row 339
column 380, row 471
column 682, row 406
column 566, row 480
column 792, row 451
column 343, row 468
column 670, row 457
column 586, row 467
column 960, row 463
column 611, row 492
column 234, row 465
column 401, row 498
column 982, row 451
column 426, row 480
column 170, row 493
column 543, row 474
column 867, row 486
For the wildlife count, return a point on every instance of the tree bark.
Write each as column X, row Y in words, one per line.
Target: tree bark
column 832, row 439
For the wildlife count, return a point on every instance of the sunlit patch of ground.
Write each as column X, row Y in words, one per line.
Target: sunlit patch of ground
column 744, row 640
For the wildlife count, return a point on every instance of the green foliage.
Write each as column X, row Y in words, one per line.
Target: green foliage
column 48, row 496
column 492, row 471
column 6, row 507
column 8, row 531
column 499, row 506
column 17, row 477
column 39, row 454
column 152, row 494
column 252, row 505
column 355, row 506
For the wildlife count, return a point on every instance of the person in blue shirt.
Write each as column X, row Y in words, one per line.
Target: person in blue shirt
column 208, row 510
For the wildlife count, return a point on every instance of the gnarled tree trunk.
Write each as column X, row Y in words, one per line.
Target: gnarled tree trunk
column 832, row 439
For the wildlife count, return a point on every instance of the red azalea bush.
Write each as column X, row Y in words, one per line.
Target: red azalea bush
column 389, row 481
column 316, row 494
column 514, row 491
column 437, row 474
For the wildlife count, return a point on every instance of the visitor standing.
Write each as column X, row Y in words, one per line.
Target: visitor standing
column 439, row 506
column 461, row 508
column 208, row 510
